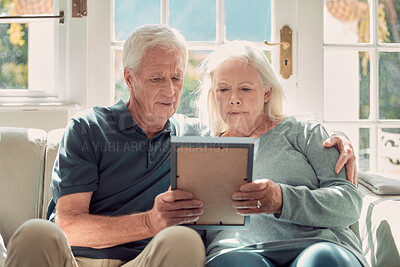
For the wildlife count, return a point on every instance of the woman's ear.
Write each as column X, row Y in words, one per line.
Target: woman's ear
column 267, row 95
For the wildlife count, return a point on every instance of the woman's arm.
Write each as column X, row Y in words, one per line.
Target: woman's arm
column 335, row 204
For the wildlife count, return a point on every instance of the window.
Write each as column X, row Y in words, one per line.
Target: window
column 362, row 77
column 28, row 50
column 205, row 24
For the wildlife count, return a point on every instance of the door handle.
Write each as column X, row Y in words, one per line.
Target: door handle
column 285, row 51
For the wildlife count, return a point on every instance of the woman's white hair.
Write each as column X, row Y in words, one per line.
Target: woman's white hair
column 150, row 36
column 252, row 55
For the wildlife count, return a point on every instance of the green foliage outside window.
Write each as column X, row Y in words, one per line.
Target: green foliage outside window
column 389, row 81
column 13, row 52
column 389, row 70
column 364, row 85
column 187, row 104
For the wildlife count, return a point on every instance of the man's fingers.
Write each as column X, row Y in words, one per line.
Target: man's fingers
column 176, row 200
column 346, row 157
column 349, row 174
column 349, row 160
column 340, row 163
column 328, row 142
column 181, row 205
column 185, row 213
column 173, row 208
column 175, row 195
column 351, row 171
column 334, row 141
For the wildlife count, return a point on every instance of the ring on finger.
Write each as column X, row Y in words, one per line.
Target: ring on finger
column 259, row 204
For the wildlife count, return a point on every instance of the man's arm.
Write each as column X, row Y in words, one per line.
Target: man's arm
column 87, row 230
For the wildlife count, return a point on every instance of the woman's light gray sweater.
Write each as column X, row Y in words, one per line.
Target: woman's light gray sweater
column 318, row 205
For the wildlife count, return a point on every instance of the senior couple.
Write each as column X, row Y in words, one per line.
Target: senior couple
column 114, row 207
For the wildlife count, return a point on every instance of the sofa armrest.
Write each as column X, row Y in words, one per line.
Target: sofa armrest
column 21, row 177
column 378, row 228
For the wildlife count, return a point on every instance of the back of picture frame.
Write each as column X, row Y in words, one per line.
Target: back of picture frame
column 213, row 168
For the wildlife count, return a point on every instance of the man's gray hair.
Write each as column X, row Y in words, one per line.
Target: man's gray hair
column 252, row 55
column 150, row 36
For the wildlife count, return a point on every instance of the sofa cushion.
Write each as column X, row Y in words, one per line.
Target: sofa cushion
column 21, row 177
column 381, row 185
column 53, row 142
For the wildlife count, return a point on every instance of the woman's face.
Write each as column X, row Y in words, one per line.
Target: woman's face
column 240, row 96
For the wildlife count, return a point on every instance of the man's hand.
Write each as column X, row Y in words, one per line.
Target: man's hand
column 347, row 157
column 172, row 208
column 258, row 197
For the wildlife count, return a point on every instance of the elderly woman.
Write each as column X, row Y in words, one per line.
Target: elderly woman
column 300, row 208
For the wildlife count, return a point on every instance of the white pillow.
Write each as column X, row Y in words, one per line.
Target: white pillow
column 379, row 184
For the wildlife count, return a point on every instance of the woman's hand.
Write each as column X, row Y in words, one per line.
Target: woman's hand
column 258, row 197
column 347, row 157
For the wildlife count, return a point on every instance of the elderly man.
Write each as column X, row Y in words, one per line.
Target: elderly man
column 111, row 175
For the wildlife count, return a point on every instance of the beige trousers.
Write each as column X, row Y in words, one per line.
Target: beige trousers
column 42, row 243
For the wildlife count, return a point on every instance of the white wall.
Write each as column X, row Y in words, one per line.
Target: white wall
column 310, row 57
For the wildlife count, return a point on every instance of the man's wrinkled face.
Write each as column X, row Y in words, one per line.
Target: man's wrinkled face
column 157, row 86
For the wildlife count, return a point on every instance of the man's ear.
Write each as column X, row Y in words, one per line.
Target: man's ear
column 128, row 77
column 267, row 95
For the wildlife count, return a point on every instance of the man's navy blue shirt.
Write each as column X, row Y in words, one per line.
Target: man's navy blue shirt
column 105, row 152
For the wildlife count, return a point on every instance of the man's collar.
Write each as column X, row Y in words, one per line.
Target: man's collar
column 123, row 118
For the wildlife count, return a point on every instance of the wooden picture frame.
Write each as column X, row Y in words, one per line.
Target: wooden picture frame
column 213, row 168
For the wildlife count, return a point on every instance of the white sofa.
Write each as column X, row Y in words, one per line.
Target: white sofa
column 26, row 160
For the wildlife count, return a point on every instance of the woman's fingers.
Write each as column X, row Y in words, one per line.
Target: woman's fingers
column 260, row 196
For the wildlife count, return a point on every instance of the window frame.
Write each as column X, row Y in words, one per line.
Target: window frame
column 373, row 123
column 192, row 45
column 58, row 93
